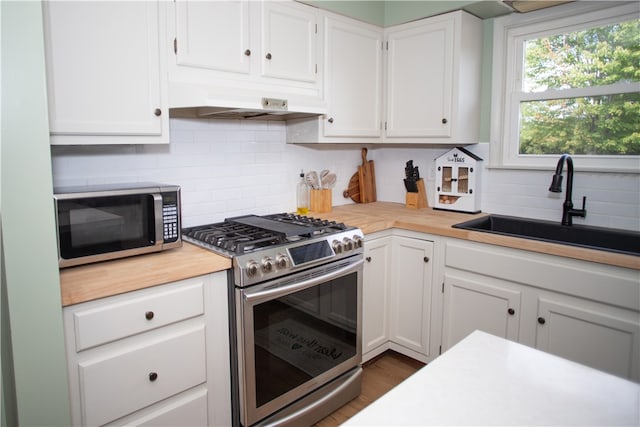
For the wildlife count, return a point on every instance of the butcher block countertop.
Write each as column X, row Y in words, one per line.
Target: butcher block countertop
column 93, row 281
column 379, row 216
column 108, row 278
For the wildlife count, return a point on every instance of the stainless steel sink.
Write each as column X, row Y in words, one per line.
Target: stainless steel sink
column 607, row 239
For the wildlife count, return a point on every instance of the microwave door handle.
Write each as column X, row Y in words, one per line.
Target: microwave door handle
column 159, row 219
column 256, row 297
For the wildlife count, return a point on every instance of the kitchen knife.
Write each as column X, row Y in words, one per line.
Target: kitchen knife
column 411, row 186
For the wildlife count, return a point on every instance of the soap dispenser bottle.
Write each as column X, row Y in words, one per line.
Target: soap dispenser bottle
column 302, row 196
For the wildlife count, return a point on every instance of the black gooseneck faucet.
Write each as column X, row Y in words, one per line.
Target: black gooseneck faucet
column 556, row 187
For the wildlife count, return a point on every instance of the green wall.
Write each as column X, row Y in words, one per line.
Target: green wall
column 30, row 262
column 487, row 67
column 372, row 12
column 400, row 11
column 390, row 12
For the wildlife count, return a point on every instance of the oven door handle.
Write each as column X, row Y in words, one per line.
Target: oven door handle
column 276, row 291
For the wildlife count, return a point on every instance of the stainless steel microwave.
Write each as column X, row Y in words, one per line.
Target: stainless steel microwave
column 99, row 223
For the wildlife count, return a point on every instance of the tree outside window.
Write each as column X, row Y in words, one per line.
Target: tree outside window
column 567, row 80
column 580, row 92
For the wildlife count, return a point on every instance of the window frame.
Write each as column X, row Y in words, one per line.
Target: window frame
column 509, row 32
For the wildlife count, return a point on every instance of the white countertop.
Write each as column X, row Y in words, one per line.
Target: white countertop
column 486, row 380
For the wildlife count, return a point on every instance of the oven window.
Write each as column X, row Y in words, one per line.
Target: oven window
column 105, row 224
column 302, row 335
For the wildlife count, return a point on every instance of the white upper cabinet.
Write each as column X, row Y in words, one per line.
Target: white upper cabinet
column 353, row 73
column 427, row 91
column 352, row 83
column 217, row 35
column 104, row 73
column 200, row 23
column 419, row 73
column 289, row 48
column 433, row 79
column 230, row 54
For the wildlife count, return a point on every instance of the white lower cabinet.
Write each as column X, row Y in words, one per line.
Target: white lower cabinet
column 597, row 335
column 160, row 356
column 138, row 376
column 412, row 282
column 582, row 311
column 375, row 299
column 398, row 297
column 424, row 293
column 189, row 409
column 492, row 306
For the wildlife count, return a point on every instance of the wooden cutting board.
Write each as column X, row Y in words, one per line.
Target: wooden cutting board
column 353, row 189
column 367, row 179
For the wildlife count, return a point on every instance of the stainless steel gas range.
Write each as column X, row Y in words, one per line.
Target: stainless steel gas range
column 296, row 308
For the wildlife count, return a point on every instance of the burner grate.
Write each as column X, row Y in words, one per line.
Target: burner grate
column 233, row 237
column 248, row 233
column 317, row 226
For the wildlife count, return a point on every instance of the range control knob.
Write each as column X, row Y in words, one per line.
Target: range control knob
column 357, row 241
column 348, row 244
column 337, row 247
column 282, row 261
column 252, row 268
column 268, row 265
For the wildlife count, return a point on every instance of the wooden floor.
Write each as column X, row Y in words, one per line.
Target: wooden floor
column 379, row 376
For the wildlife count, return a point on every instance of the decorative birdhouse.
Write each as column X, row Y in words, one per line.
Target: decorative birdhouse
column 458, row 174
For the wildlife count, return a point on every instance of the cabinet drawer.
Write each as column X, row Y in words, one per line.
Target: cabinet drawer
column 130, row 314
column 116, row 384
column 186, row 409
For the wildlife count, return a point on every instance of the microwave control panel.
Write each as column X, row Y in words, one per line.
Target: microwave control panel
column 170, row 217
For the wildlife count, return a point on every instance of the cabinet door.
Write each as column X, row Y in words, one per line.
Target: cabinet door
column 479, row 303
column 411, row 293
column 375, row 290
column 289, row 41
column 213, row 35
column 353, row 78
column 419, row 79
column 103, row 71
column 596, row 335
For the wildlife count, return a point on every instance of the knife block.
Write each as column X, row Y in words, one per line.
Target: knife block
column 417, row 200
column 320, row 200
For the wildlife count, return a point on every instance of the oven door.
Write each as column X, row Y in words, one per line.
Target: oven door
column 296, row 334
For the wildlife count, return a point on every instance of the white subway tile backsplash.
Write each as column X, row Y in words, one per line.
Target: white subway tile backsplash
column 233, row 167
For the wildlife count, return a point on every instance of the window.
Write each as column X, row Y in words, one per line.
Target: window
column 567, row 80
